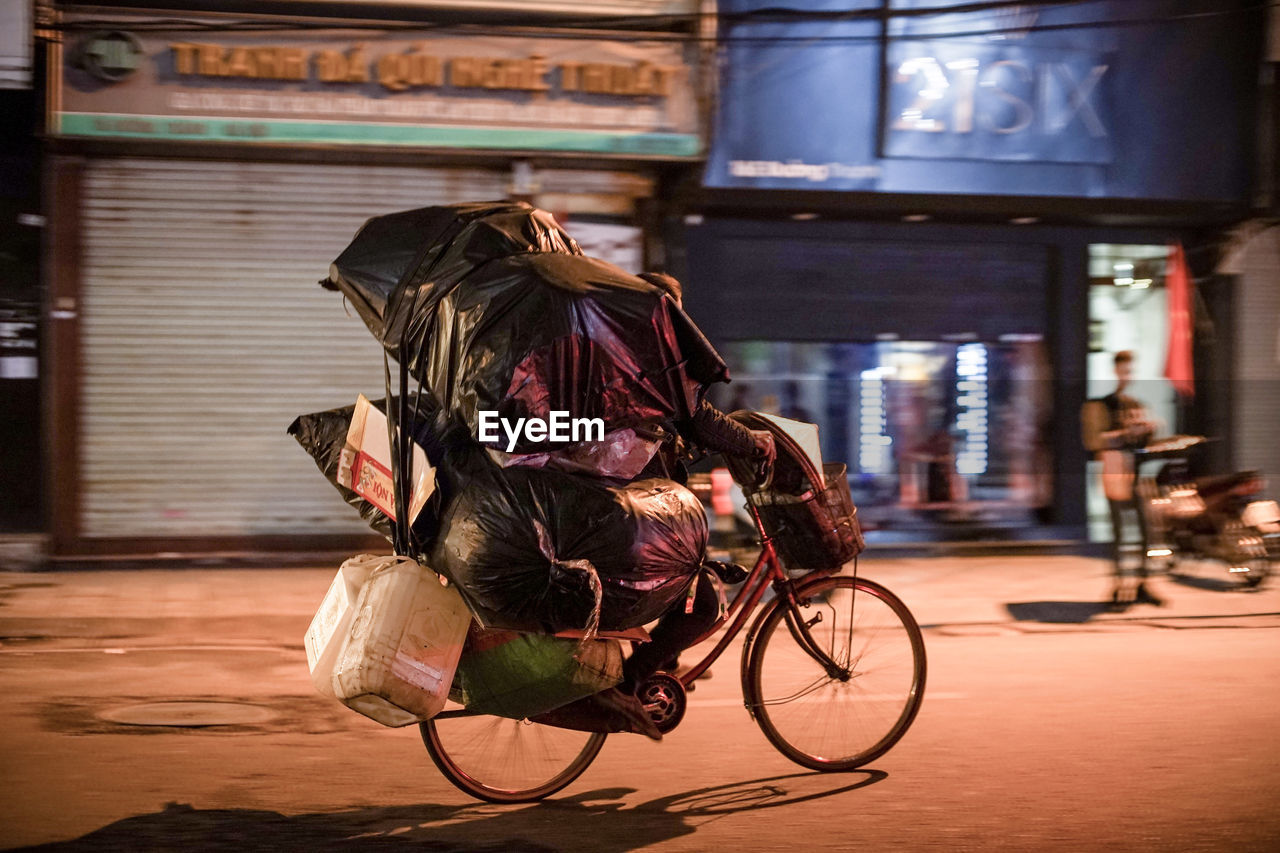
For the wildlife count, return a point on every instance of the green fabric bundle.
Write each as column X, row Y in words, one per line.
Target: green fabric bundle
column 510, row 674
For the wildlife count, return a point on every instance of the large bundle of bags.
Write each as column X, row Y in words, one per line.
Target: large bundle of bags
column 492, row 307
column 534, row 549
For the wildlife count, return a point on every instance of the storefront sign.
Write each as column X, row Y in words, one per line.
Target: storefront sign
column 505, row 93
column 996, row 102
column 1113, row 99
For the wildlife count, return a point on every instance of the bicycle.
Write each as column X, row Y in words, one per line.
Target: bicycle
column 833, row 671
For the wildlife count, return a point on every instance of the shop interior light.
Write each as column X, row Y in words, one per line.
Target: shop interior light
column 916, row 217
column 873, row 444
column 1123, row 274
column 972, row 398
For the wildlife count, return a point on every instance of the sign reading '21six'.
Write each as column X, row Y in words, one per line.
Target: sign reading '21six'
column 966, row 101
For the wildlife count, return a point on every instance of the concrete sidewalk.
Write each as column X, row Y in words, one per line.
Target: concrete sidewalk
column 274, row 605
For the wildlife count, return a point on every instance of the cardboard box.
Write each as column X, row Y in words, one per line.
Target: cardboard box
column 365, row 465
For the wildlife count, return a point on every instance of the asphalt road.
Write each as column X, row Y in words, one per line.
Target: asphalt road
column 1156, row 729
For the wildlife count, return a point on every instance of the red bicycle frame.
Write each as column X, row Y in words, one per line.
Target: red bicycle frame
column 766, row 572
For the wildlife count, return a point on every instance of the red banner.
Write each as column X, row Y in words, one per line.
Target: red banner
column 1178, row 367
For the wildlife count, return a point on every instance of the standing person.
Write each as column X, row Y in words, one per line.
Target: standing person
column 1114, row 427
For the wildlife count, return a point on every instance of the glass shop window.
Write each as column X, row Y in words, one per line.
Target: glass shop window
column 933, row 432
column 1128, row 310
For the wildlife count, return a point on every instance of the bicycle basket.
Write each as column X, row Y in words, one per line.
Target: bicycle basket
column 810, row 516
column 817, row 529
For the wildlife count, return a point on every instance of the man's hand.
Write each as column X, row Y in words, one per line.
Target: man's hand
column 1139, row 432
column 766, row 453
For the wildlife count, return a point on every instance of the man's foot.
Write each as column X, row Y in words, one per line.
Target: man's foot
column 673, row 667
column 628, row 707
column 1143, row 595
column 1119, row 601
column 680, row 672
column 692, row 685
column 730, row 573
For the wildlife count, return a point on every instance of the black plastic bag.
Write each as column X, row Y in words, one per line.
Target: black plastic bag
column 524, row 554
column 444, row 244
column 534, row 549
column 494, row 309
column 322, row 435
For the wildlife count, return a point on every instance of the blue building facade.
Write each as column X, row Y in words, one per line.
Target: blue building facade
column 928, row 230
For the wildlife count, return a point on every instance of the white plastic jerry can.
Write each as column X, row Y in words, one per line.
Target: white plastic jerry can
column 397, row 655
column 330, row 627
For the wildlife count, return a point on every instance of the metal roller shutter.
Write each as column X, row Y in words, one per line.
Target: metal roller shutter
column 204, row 334
column 1257, row 341
column 857, row 282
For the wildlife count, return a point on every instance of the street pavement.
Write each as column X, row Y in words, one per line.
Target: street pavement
column 80, row 646
column 1022, row 590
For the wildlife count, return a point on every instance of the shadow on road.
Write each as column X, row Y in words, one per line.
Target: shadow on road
column 599, row 816
column 1222, row 584
column 1075, row 612
column 754, row 795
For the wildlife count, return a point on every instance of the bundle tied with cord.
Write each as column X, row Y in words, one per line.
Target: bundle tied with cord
column 491, row 307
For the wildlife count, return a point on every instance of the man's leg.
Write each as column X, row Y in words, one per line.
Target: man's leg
column 1142, row 593
column 675, row 632
column 1117, row 549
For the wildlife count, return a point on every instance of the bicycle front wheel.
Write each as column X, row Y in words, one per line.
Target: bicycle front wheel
column 850, row 709
column 508, row 761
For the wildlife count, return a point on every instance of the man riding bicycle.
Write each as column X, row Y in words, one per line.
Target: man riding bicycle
column 711, row 431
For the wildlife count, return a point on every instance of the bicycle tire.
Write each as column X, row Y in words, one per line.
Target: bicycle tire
column 486, row 756
column 796, row 702
column 1253, row 555
column 1239, row 549
column 1259, row 569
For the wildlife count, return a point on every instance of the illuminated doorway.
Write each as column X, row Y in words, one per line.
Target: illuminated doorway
column 1128, row 310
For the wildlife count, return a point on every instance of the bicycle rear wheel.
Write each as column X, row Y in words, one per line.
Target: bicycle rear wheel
column 1251, row 561
column 508, row 761
column 841, row 716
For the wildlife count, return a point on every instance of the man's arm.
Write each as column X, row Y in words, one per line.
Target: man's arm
column 1094, row 423
column 1097, row 432
column 713, row 430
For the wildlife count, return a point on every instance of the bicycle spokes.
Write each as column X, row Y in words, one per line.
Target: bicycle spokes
column 841, row 682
